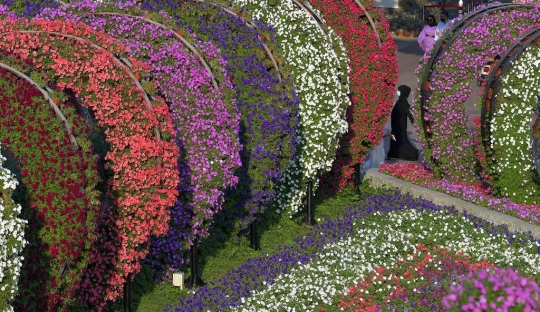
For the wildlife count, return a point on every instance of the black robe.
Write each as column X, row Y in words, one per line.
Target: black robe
column 401, row 148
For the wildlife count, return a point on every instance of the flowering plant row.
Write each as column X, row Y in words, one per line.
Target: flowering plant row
column 12, row 239
column 477, row 194
column 380, row 240
column 511, row 156
column 29, row 8
column 452, row 148
column 318, row 61
column 378, row 232
column 58, row 197
column 417, row 281
column 496, row 289
column 205, row 120
column 372, row 83
column 142, row 179
column 269, row 108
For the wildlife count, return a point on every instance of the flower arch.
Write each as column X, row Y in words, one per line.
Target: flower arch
column 62, row 205
column 142, row 179
column 267, row 42
column 205, row 118
column 372, row 54
column 456, row 59
column 510, row 99
column 317, row 60
column 267, row 103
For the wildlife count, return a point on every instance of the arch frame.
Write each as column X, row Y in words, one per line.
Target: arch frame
column 491, row 90
column 440, row 48
column 46, row 95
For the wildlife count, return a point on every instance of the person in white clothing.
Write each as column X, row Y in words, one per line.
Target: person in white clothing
column 443, row 23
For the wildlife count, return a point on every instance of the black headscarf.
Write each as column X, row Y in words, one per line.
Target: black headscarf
column 404, row 91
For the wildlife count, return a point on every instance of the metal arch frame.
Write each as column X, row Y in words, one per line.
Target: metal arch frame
column 442, row 46
column 251, row 25
column 370, row 21
column 314, row 16
column 120, row 63
column 46, row 96
column 491, row 90
column 186, row 43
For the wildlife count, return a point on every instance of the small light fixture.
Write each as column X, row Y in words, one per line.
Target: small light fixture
column 178, row 279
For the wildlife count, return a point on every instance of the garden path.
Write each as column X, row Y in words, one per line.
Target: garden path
column 409, row 54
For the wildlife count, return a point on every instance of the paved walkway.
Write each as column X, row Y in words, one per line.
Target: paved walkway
column 409, row 54
column 378, row 179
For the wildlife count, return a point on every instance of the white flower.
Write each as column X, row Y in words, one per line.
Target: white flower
column 320, row 77
column 12, row 239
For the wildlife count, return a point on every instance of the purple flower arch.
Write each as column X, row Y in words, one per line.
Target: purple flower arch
column 449, row 146
column 267, row 103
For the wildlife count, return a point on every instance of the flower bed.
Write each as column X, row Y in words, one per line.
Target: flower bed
column 141, row 165
column 511, row 158
column 372, row 76
column 452, row 150
column 339, row 253
column 59, row 180
column 269, row 108
column 30, row 8
column 12, row 239
column 417, row 281
column 205, row 119
column 477, row 193
column 500, row 290
column 379, row 241
column 318, row 63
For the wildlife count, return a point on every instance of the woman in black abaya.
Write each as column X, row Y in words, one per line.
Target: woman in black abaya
column 402, row 148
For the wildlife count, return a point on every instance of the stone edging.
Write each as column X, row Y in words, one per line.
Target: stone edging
column 380, row 180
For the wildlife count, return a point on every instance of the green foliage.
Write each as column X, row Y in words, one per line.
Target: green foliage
column 222, row 254
column 512, row 160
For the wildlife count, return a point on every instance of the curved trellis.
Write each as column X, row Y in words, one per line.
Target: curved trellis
column 442, row 45
column 176, row 35
column 77, row 159
column 123, row 62
column 268, row 109
column 509, row 125
column 205, row 119
column 372, row 79
column 47, row 97
column 439, row 103
column 319, row 65
column 371, row 22
column 311, row 13
column 155, row 166
column 491, row 90
column 253, row 26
